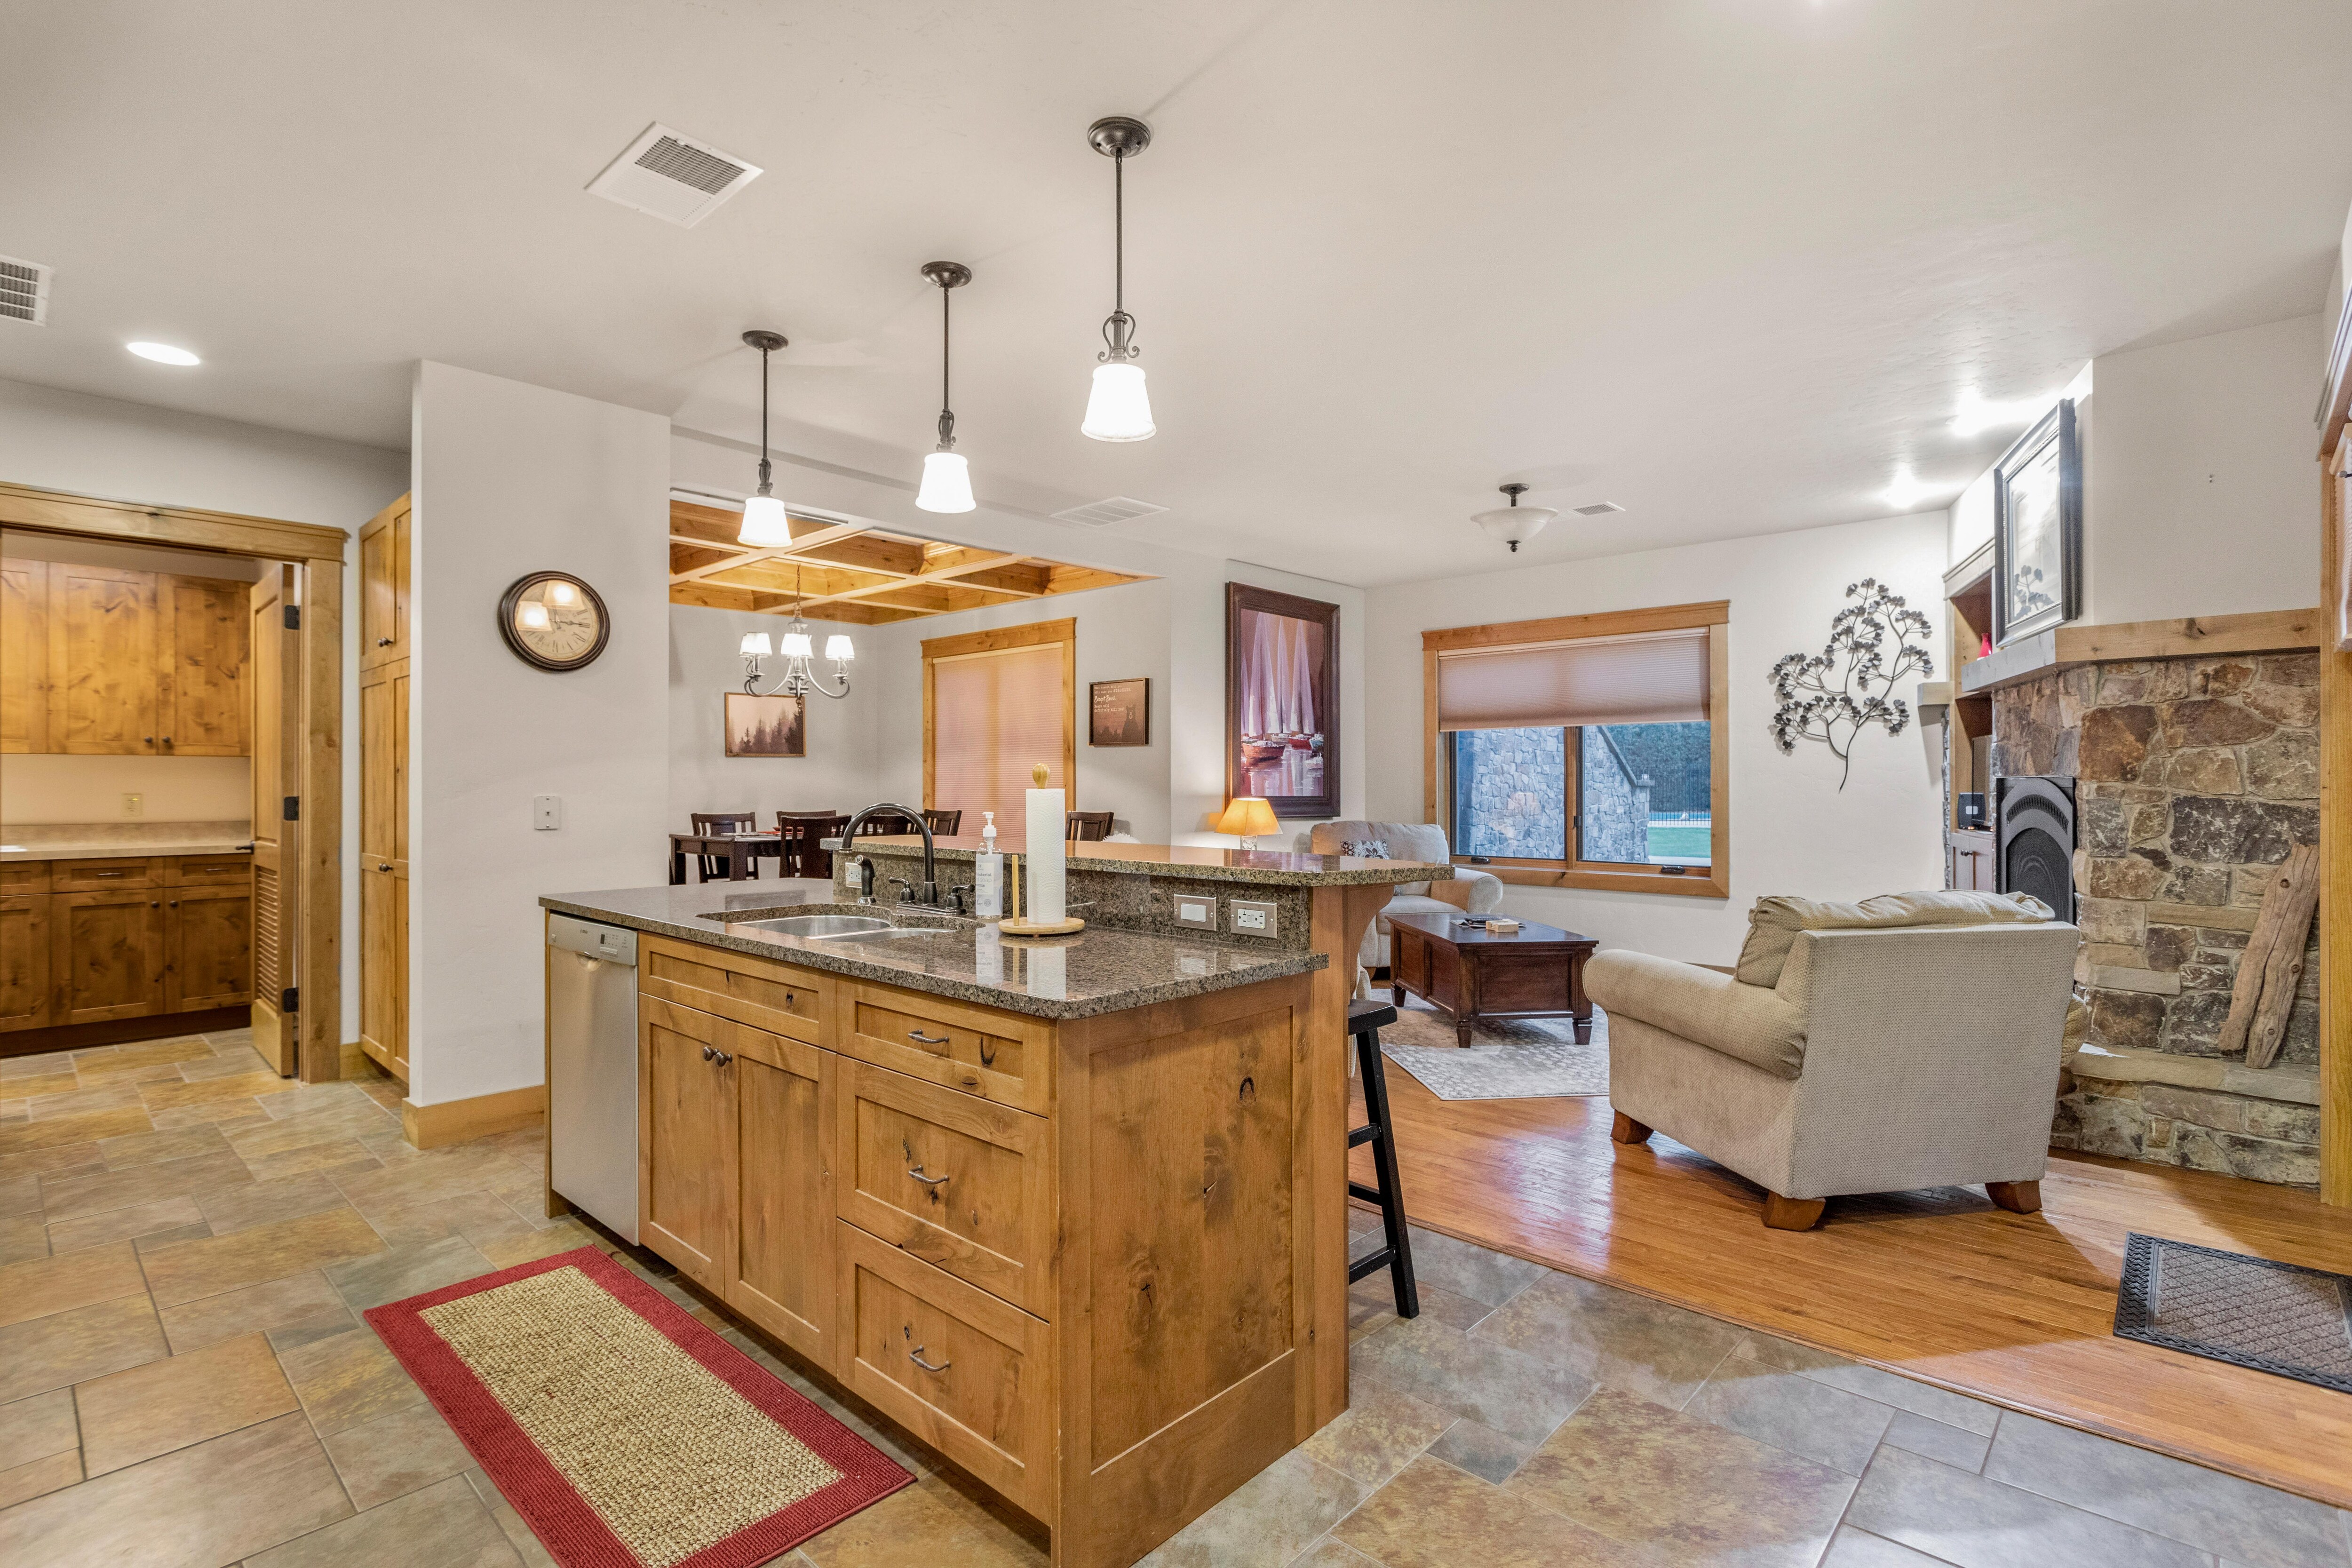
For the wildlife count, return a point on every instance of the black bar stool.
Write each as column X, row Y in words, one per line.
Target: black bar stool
column 1365, row 1021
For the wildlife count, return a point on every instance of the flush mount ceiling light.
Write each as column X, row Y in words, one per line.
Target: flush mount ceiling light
column 763, row 515
column 799, row 649
column 947, row 477
column 1514, row 524
column 1118, row 408
column 163, row 353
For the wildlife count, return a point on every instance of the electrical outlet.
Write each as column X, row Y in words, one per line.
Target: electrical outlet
column 134, row 806
column 1197, row 912
column 1252, row 917
column 547, row 812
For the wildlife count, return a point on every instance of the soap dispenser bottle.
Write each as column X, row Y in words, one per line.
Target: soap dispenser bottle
column 988, row 874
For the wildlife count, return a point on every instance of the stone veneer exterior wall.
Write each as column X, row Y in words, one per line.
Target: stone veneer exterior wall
column 2194, row 777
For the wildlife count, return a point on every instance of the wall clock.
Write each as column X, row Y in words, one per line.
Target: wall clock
column 554, row 621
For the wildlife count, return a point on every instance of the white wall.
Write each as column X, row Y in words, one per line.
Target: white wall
column 2198, row 484
column 839, row 770
column 510, row 478
column 1792, row 830
column 128, row 451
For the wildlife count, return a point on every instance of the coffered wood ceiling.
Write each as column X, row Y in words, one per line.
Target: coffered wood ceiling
column 846, row 572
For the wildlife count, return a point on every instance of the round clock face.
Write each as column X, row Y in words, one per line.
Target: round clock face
column 553, row 620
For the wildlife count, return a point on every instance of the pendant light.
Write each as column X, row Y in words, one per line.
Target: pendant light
column 947, row 477
column 1119, row 409
column 1514, row 523
column 764, row 523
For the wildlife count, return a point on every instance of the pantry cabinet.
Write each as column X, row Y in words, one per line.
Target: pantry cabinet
column 106, row 661
column 93, row 940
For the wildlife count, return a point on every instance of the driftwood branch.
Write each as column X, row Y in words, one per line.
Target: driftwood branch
column 2272, row 966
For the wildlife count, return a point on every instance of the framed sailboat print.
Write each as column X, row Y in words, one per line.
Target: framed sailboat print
column 1282, row 700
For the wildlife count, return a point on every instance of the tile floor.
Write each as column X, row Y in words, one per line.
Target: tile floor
column 186, row 1240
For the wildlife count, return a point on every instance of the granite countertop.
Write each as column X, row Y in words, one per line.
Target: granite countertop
column 119, row 840
column 1097, row 971
column 1263, row 866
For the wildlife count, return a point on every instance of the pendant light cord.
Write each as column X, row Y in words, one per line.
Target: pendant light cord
column 1118, row 234
column 764, row 470
column 946, row 410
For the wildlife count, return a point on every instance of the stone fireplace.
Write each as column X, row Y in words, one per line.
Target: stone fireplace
column 2193, row 779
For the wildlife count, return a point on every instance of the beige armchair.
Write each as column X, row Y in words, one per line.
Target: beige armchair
column 1877, row 1050
column 1468, row 891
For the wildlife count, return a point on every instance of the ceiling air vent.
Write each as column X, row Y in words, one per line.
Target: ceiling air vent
column 1598, row 509
column 673, row 177
column 24, row 291
column 1103, row 513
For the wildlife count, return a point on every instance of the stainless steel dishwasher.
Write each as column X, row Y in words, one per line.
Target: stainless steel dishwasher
column 591, row 1068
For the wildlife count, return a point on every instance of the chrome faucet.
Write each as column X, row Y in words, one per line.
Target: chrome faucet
column 929, row 891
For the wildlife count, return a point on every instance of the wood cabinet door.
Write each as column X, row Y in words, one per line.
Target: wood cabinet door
column 203, row 706
column 686, row 1141
column 26, row 974
column 102, row 653
column 24, row 657
column 780, row 1271
column 207, row 948
column 105, row 953
column 383, row 866
column 383, row 586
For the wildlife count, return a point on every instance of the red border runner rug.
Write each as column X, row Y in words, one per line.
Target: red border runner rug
column 625, row 1433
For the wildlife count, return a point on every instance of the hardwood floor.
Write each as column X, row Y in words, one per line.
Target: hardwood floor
column 1938, row 1285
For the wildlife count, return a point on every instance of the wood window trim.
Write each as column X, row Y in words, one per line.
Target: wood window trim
column 1000, row 639
column 1712, row 615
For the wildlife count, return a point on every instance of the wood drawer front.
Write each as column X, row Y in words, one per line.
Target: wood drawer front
column 759, row 992
column 990, row 1406
column 20, row 876
column 101, row 876
column 959, row 1182
column 232, row 869
column 1001, row 1057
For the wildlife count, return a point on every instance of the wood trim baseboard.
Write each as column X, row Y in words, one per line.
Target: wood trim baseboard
column 456, row 1120
column 124, row 1031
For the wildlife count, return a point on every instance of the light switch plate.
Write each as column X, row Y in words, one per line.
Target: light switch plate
column 1200, row 914
column 1252, row 917
column 547, row 812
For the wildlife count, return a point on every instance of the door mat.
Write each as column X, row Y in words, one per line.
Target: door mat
column 2277, row 1318
column 625, row 1433
column 1511, row 1058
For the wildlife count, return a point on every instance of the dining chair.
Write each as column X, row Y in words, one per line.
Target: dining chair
column 943, row 824
column 886, row 825
column 1091, row 827
column 801, row 836
column 724, row 822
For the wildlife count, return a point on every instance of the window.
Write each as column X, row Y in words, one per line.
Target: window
column 1584, row 752
column 995, row 704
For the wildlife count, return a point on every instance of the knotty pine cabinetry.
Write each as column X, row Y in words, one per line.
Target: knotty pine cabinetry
column 383, row 788
column 89, row 942
column 1061, row 1252
column 104, row 661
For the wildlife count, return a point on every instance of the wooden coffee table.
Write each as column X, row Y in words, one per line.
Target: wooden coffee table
column 1468, row 975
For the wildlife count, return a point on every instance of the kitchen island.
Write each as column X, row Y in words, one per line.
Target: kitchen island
column 1072, row 1211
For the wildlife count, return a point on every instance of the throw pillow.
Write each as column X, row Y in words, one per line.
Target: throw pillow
column 1774, row 922
column 1365, row 848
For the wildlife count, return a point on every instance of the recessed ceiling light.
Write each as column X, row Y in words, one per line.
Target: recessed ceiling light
column 163, row 353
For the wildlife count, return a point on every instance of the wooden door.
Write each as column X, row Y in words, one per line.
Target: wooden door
column 202, row 641
column 207, row 948
column 102, row 653
column 276, row 685
column 24, row 657
column 383, row 866
column 106, row 952
column 685, row 1139
column 28, row 976
column 383, row 586
column 780, row 1268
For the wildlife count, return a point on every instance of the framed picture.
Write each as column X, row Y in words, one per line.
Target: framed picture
column 766, row 726
column 1121, row 712
column 1282, row 700
column 2037, row 499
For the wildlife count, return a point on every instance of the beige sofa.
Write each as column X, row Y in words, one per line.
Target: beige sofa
column 1909, row 1041
column 1468, row 891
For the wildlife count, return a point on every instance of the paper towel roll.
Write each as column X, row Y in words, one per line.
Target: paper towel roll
column 1048, row 852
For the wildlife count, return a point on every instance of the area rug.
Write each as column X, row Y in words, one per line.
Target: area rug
column 1533, row 1059
column 2251, row 1311
column 625, row 1433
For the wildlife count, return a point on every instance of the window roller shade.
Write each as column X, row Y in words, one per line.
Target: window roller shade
column 995, row 716
column 1658, row 678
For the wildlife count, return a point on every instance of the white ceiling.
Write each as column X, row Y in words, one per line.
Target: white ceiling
column 1728, row 263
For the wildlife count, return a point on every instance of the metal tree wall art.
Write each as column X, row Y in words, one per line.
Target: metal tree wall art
column 1870, row 649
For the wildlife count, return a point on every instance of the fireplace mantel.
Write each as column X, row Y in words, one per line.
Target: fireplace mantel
column 2064, row 647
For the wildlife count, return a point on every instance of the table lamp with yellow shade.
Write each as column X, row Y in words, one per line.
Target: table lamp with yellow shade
column 1247, row 817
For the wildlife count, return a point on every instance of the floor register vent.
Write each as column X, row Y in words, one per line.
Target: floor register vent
column 1103, row 513
column 24, row 291
column 673, row 177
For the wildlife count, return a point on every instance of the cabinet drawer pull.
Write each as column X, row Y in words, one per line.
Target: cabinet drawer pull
column 384, row 866
column 383, row 642
column 110, row 873
column 916, row 1172
column 921, row 1038
column 916, row 1356
column 723, row 1057
column 709, row 1054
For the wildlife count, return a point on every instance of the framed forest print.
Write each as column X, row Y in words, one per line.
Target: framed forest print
column 766, row 726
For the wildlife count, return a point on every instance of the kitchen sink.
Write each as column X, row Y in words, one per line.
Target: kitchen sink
column 821, row 925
